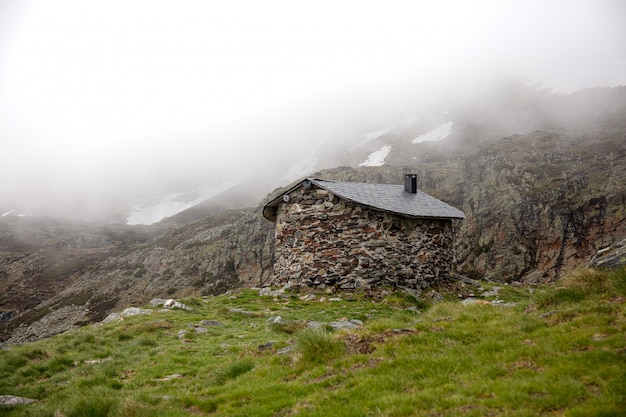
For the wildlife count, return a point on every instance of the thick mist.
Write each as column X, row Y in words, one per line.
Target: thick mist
column 102, row 103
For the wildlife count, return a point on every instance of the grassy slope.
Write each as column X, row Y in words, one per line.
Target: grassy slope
column 559, row 351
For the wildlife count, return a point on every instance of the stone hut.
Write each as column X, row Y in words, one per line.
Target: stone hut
column 356, row 235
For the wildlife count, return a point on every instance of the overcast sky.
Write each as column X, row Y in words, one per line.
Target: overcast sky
column 99, row 98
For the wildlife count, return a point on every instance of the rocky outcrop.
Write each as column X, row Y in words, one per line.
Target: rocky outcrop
column 610, row 257
column 536, row 205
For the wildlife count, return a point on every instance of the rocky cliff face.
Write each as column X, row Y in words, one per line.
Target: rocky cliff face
column 536, row 204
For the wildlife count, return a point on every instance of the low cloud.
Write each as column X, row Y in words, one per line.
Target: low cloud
column 101, row 101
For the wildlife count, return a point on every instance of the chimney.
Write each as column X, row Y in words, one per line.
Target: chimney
column 410, row 183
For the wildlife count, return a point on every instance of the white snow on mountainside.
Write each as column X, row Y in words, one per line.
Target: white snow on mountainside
column 13, row 214
column 406, row 121
column 377, row 158
column 440, row 132
column 172, row 204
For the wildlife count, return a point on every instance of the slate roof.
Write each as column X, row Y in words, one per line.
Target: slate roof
column 385, row 197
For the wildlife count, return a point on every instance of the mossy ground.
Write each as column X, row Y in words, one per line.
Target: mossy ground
column 558, row 351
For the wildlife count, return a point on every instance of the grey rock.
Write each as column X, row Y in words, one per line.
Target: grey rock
column 57, row 321
column 171, row 303
column 284, row 350
column 502, row 303
column 345, row 325
column 435, row 296
column 238, row 310
column 611, row 257
column 10, row 400
column 493, row 292
column 200, row 330
column 210, row 323
column 266, row 345
column 275, row 319
column 156, row 302
column 548, row 314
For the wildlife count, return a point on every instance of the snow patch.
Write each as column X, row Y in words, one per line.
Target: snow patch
column 173, row 203
column 13, row 214
column 406, row 121
column 377, row 158
column 440, row 132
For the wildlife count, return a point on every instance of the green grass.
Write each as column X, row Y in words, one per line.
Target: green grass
column 561, row 350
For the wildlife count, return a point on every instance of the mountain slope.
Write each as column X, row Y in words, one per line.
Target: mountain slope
column 537, row 204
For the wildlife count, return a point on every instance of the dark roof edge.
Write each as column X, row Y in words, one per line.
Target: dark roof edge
column 269, row 210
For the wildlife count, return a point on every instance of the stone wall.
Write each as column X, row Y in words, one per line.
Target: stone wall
column 322, row 241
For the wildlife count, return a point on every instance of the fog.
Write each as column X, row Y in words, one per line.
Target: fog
column 100, row 101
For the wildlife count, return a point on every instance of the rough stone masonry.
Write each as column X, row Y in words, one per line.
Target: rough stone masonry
column 323, row 240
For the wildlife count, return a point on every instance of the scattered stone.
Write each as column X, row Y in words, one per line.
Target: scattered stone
column 465, row 279
column 264, row 346
column 269, row 292
column 156, row 302
column 181, row 334
column 171, row 303
column 238, row 310
column 599, row 336
column 128, row 312
column 95, row 361
column 346, row 325
column 170, row 377
column 502, row 303
column 11, row 400
column 334, row 299
column 200, row 330
column 469, row 301
column 314, row 325
column 275, row 320
column 308, row 297
column 493, row 292
column 413, row 292
column 435, row 296
column 210, row 323
column 549, row 313
column 284, row 350
column 402, row 331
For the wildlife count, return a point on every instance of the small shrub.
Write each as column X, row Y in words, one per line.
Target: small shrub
column 584, row 282
column 145, row 342
column 587, row 281
column 97, row 402
column 288, row 327
column 232, row 371
column 124, row 336
column 617, row 278
column 319, row 346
